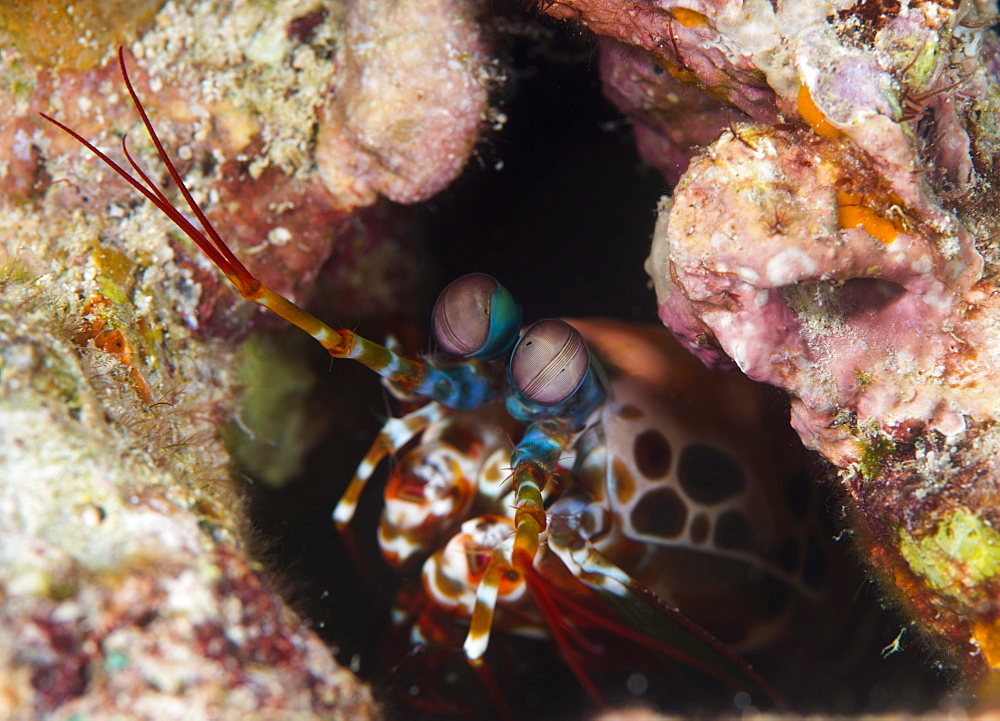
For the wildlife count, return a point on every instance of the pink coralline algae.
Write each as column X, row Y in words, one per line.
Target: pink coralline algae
column 671, row 119
column 837, row 239
column 411, row 99
column 777, row 284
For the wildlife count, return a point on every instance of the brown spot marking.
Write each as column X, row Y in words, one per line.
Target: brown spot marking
column 629, row 412
column 709, row 475
column 699, row 528
column 732, row 531
column 660, row 512
column 774, row 595
column 303, row 28
column 594, row 523
column 622, row 483
column 462, row 438
column 652, row 454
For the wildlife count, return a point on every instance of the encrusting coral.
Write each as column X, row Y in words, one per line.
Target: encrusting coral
column 837, row 239
column 123, row 582
column 396, row 132
column 125, row 586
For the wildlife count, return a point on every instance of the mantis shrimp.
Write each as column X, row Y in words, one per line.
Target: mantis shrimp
column 613, row 476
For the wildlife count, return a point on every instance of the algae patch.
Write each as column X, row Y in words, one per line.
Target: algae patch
column 961, row 553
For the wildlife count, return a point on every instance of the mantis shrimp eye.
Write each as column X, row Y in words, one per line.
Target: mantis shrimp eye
column 549, row 362
column 476, row 317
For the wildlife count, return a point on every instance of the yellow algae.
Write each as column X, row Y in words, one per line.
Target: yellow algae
column 962, row 552
column 814, row 116
column 851, row 213
column 74, row 34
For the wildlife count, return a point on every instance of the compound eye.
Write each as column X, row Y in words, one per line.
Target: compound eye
column 549, row 362
column 475, row 316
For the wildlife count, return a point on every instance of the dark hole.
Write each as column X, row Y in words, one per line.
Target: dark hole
column 699, row 528
column 732, row 531
column 788, row 555
column 866, row 296
column 775, row 596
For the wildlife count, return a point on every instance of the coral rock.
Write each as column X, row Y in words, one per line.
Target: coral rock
column 123, row 586
column 673, row 120
column 236, row 92
column 849, row 322
column 409, row 102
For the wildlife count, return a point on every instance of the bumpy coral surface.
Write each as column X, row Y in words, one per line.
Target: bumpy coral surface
column 841, row 244
column 410, row 100
column 125, row 586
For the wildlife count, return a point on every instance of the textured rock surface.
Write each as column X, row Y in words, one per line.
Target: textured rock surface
column 841, row 244
column 672, row 119
column 410, row 101
column 239, row 93
column 124, row 587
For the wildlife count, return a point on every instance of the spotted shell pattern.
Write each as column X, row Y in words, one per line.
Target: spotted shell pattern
column 695, row 493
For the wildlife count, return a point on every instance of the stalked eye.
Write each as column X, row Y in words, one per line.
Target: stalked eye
column 475, row 316
column 550, row 362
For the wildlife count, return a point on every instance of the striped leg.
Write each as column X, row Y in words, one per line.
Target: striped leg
column 534, row 460
column 395, row 434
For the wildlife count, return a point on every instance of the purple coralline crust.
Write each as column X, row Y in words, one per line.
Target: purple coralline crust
column 690, row 47
column 753, row 60
column 848, row 323
column 673, row 120
column 410, row 101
